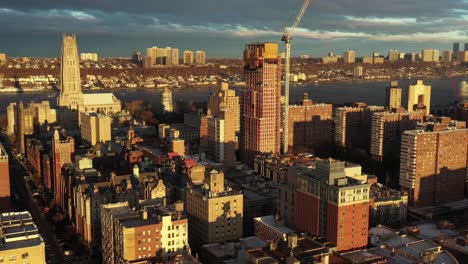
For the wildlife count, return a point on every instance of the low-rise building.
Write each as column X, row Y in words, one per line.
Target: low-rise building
column 20, row 241
column 387, row 206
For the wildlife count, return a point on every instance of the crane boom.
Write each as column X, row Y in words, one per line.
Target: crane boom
column 287, row 35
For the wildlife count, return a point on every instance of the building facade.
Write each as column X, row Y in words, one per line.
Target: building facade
column 310, row 125
column 386, row 131
column 5, row 194
column 221, row 139
column 433, row 162
column 95, row 127
column 63, row 149
column 222, row 94
column 353, row 126
column 215, row 212
column 71, row 95
column 260, row 101
column 188, row 57
column 393, row 96
column 419, row 97
column 333, row 205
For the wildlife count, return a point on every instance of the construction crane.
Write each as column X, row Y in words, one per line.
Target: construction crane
column 287, row 36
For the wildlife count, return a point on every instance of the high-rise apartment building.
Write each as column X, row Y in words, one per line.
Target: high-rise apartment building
column 71, row 95
column 353, row 126
column 446, row 56
column 333, row 205
column 462, row 56
column 386, row 131
column 215, row 212
column 456, row 48
column 358, row 71
column 260, row 101
column 174, row 57
column 310, row 124
column 200, row 57
column 63, row 149
column 393, row 56
column 188, row 57
column 166, row 101
column 222, row 136
column 95, row 127
column 20, row 241
column 393, row 96
column 419, row 97
column 349, row 56
column 5, row 180
column 88, row 56
column 430, row 55
column 433, row 162
column 130, row 236
column 3, row 57
column 223, row 95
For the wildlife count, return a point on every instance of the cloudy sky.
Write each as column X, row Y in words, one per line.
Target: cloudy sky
column 222, row 27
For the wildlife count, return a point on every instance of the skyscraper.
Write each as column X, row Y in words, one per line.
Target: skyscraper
column 166, row 101
column 174, row 56
column 71, row 95
column 447, row 56
column 433, row 162
column 188, row 57
column 393, row 55
column 349, row 56
column 200, row 57
column 430, row 55
column 222, row 136
column 95, row 127
column 260, row 101
column 419, row 97
column 393, row 96
column 456, row 48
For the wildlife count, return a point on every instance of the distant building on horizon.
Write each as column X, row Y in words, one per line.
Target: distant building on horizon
column 88, row 56
column 456, row 49
column 349, row 56
column 393, row 56
column 447, row 56
column 430, row 55
column 166, row 101
column 200, row 57
column 188, row 57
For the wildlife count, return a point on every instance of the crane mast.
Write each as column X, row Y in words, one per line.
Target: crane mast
column 287, row 35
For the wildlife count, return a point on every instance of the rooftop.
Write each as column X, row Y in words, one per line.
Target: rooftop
column 18, row 230
column 271, row 222
column 99, row 99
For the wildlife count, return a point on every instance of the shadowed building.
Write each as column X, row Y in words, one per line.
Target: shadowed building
column 215, row 212
column 5, row 202
column 260, row 101
column 222, row 94
column 310, row 125
column 433, row 162
column 63, row 149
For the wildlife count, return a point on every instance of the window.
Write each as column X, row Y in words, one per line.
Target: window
column 25, row 255
column 12, row 258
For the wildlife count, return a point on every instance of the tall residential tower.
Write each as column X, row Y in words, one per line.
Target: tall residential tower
column 260, row 101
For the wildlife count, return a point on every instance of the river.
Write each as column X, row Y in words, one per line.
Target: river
column 371, row 92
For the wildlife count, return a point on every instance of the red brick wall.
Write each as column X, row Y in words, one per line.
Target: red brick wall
column 307, row 213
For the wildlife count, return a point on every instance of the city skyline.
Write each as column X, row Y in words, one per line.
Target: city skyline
column 222, row 28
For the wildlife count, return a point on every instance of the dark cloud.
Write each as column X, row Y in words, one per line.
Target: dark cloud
column 219, row 26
